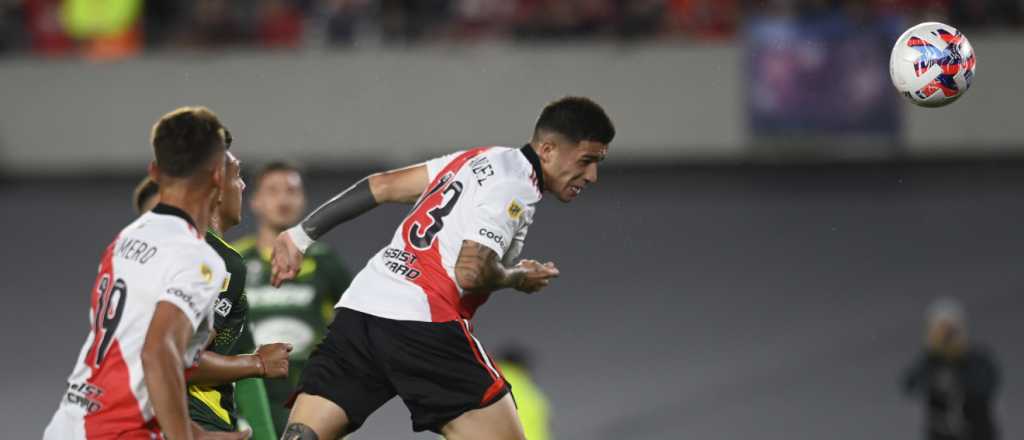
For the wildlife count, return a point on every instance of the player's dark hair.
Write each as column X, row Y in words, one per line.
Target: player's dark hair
column 186, row 138
column 577, row 118
column 145, row 190
column 274, row 167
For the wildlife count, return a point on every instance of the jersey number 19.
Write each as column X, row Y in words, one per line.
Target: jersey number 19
column 109, row 306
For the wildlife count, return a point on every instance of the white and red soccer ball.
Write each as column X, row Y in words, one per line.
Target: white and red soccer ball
column 932, row 64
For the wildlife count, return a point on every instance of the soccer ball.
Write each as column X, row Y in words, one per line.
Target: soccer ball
column 932, row 64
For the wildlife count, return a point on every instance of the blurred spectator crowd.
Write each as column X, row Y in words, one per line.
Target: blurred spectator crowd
column 106, row 29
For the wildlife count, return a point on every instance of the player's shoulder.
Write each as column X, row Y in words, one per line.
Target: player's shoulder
column 165, row 237
column 180, row 244
column 222, row 247
column 505, row 170
column 186, row 253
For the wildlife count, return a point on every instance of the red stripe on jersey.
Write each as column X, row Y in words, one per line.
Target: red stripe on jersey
column 499, row 382
column 120, row 413
column 470, row 302
column 441, row 290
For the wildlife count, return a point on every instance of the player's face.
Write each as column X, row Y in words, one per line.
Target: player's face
column 230, row 209
column 280, row 200
column 571, row 167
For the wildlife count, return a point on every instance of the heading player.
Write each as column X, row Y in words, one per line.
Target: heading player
column 402, row 327
column 152, row 301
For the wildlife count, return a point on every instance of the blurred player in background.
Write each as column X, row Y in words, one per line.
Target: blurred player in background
column 956, row 380
column 152, row 303
column 403, row 328
column 516, row 364
column 299, row 311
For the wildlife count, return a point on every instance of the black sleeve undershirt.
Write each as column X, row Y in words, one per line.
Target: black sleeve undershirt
column 345, row 206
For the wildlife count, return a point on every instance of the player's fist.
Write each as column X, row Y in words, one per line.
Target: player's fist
column 274, row 358
column 536, row 275
column 285, row 260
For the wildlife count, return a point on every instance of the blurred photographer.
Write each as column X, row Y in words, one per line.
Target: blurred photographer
column 956, row 379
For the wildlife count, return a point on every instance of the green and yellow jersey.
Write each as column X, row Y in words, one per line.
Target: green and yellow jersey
column 214, row 407
column 297, row 313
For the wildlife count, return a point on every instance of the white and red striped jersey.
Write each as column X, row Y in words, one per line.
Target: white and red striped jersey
column 158, row 257
column 487, row 195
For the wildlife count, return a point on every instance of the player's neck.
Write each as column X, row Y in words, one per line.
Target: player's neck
column 198, row 206
column 537, row 165
column 217, row 225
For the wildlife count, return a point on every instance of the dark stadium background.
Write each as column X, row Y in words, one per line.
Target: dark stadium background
column 739, row 271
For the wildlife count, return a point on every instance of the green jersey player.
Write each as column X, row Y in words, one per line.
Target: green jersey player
column 298, row 312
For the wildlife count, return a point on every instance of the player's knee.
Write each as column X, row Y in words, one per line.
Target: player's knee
column 299, row 431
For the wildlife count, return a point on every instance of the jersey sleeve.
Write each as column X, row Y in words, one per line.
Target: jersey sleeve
column 437, row 164
column 503, row 211
column 194, row 280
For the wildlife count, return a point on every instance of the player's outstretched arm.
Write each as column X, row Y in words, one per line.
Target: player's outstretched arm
column 166, row 338
column 479, row 270
column 269, row 361
column 404, row 185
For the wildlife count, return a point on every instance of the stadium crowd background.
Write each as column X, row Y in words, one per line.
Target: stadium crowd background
column 731, row 275
column 119, row 28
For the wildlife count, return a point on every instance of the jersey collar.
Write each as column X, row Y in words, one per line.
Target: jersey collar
column 534, row 159
column 161, row 208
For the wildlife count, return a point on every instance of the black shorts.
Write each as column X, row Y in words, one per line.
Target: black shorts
column 438, row 368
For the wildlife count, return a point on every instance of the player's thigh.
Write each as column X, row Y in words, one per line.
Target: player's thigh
column 499, row 421
column 342, row 371
column 315, row 418
column 439, row 369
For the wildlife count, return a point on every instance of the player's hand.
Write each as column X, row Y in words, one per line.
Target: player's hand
column 274, row 358
column 285, row 260
column 536, row 275
column 199, row 434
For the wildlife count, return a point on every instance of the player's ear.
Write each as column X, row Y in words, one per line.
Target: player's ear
column 153, row 171
column 218, row 172
column 546, row 150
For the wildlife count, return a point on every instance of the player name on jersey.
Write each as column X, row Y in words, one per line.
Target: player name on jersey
column 134, row 249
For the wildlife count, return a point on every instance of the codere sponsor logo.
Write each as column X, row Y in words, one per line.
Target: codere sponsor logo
column 176, row 292
column 497, row 238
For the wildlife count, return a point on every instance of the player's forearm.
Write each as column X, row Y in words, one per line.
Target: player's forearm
column 165, row 383
column 403, row 185
column 345, row 206
column 479, row 269
column 217, row 369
